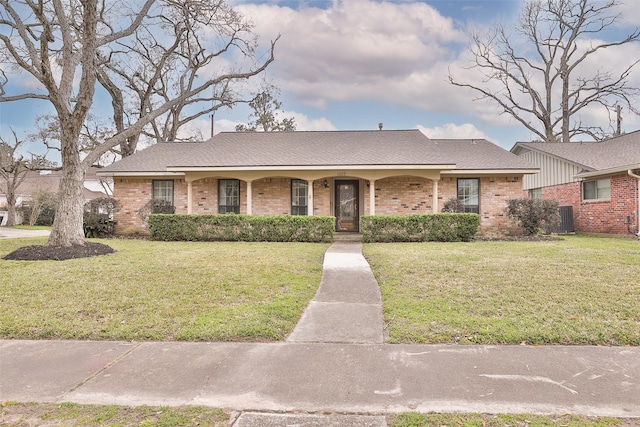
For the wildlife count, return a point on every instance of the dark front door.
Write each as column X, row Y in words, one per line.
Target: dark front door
column 347, row 214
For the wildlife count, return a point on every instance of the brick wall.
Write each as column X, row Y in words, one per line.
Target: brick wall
column 272, row 196
column 600, row 216
column 494, row 193
column 131, row 195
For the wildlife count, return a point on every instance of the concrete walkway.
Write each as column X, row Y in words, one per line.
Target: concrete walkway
column 347, row 307
column 354, row 378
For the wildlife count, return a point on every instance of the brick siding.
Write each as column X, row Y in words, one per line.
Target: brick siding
column 600, row 216
column 272, row 196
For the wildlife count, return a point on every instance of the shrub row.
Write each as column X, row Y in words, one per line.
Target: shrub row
column 442, row 227
column 245, row 228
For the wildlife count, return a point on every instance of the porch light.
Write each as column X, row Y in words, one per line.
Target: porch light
column 325, row 183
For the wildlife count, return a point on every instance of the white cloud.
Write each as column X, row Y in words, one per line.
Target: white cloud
column 303, row 122
column 453, row 131
column 355, row 50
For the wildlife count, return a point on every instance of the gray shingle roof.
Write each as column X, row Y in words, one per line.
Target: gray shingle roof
column 618, row 152
column 333, row 148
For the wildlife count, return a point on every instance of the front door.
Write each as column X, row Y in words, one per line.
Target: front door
column 346, row 206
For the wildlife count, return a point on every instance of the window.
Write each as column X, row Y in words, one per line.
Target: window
column 469, row 194
column 535, row 193
column 163, row 190
column 599, row 189
column 299, row 192
column 228, row 196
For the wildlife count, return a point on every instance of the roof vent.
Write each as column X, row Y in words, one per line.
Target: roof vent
column 380, row 126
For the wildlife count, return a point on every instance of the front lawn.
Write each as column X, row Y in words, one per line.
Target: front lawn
column 581, row 290
column 161, row 291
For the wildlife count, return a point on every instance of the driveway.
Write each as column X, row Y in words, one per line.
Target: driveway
column 9, row 232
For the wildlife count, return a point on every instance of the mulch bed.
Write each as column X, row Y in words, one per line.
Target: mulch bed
column 58, row 253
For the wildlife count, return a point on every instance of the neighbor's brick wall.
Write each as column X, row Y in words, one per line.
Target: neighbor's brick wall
column 600, row 216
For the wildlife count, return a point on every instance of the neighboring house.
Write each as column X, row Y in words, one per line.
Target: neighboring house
column 49, row 181
column 599, row 180
column 345, row 174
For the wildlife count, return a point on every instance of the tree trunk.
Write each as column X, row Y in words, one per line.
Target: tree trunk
column 67, row 226
column 11, row 210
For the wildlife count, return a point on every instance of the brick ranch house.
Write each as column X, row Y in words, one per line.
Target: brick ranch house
column 345, row 174
column 598, row 180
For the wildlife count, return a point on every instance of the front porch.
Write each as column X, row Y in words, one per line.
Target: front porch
column 347, row 196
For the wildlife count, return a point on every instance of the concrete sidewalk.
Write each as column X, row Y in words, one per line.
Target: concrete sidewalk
column 326, row 378
column 334, row 362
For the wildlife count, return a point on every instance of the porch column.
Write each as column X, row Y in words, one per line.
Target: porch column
column 435, row 196
column 189, row 197
column 249, row 198
column 372, row 197
column 310, row 197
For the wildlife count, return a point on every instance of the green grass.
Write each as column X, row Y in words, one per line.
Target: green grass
column 412, row 419
column 71, row 414
column 161, row 291
column 581, row 290
column 32, row 227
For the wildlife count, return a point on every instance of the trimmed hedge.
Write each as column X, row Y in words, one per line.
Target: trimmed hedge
column 440, row 227
column 245, row 228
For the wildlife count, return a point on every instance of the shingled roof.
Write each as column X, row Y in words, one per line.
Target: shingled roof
column 321, row 149
column 615, row 154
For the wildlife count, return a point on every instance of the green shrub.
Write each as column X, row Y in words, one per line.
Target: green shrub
column 246, row 228
column 534, row 214
column 443, row 227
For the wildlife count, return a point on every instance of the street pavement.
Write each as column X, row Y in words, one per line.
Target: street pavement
column 327, row 378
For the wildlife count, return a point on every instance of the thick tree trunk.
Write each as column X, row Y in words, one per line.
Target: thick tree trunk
column 67, row 226
column 11, row 210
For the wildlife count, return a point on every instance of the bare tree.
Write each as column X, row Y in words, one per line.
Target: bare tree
column 264, row 116
column 546, row 83
column 13, row 171
column 64, row 45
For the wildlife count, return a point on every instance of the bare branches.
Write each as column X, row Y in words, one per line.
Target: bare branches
column 547, row 90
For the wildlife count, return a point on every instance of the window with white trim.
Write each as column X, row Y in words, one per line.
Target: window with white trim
column 469, row 194
column 299, row 191
column 163, row 190
column 598, row 189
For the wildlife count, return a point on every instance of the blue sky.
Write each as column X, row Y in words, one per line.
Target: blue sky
column 351, row 64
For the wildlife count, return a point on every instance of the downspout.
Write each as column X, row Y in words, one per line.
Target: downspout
column 633, row 175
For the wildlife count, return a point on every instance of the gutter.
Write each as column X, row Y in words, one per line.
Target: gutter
column 633, row 175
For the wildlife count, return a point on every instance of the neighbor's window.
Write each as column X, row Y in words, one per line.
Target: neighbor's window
column 599, row 189
column 535, row 193
column 469, row 194
column 163, row 190
column 228, row 196
column 298, row 197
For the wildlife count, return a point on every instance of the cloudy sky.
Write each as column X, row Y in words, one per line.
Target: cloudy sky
column 351, row 64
